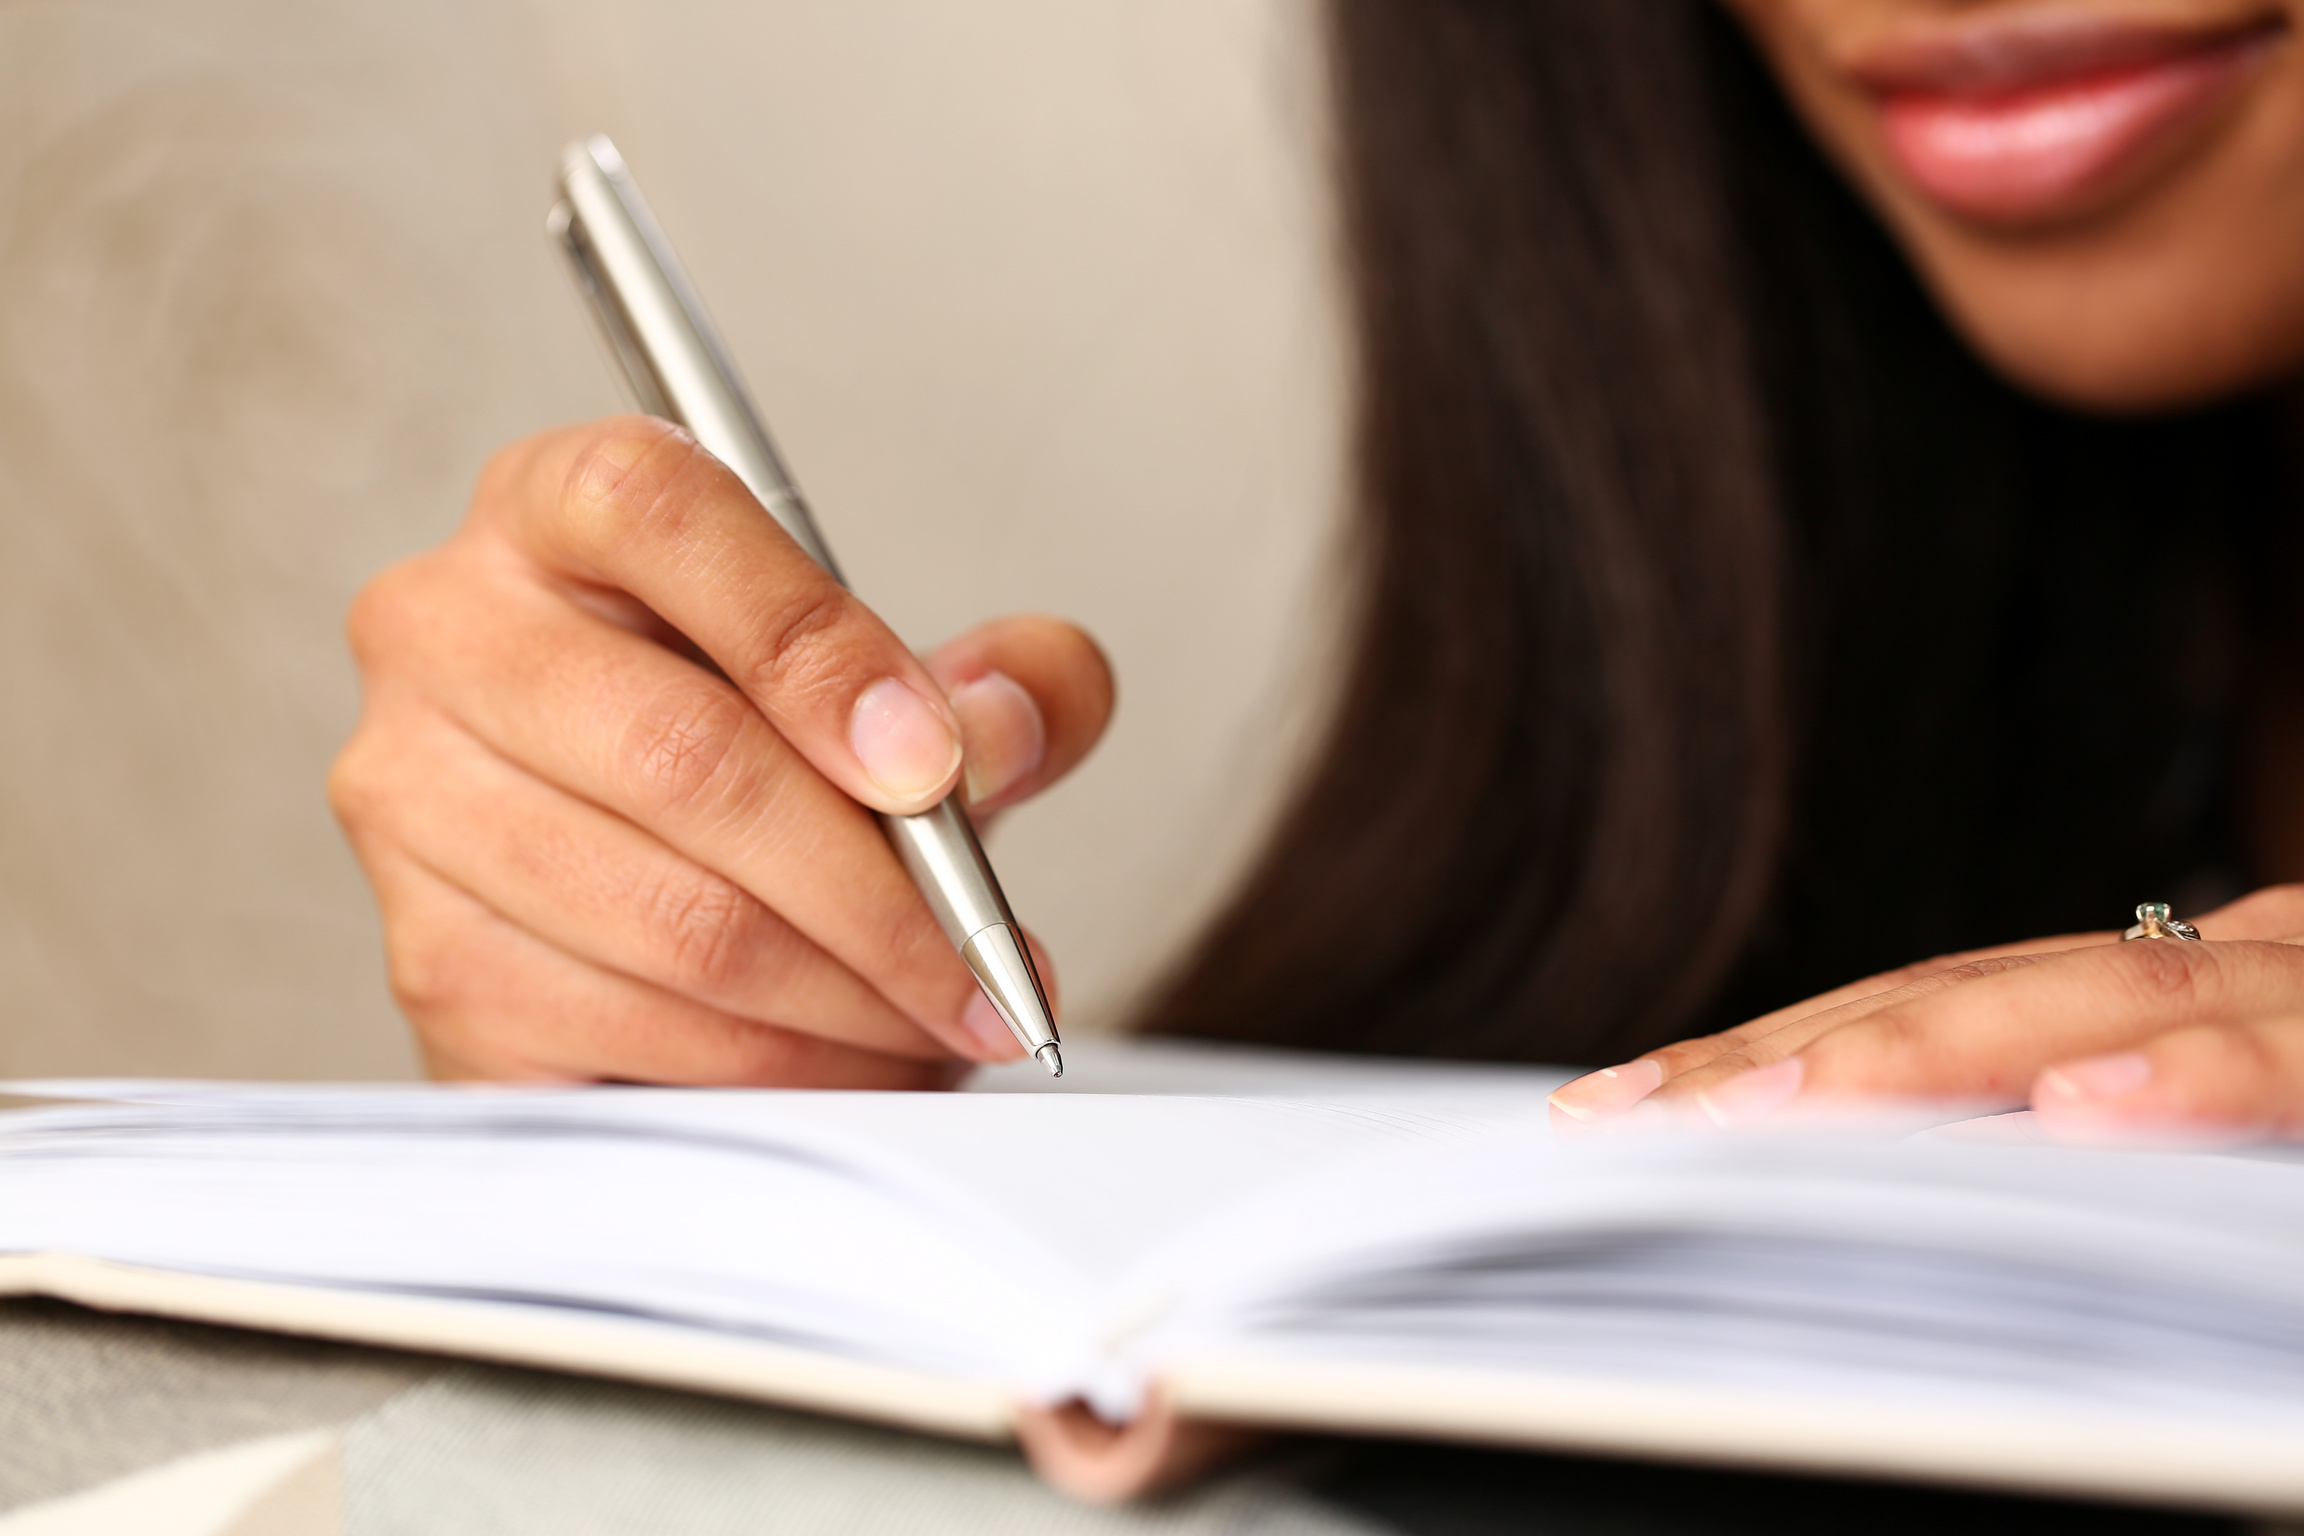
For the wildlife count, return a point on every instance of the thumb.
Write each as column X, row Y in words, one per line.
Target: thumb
column 1004, row 740
column 1032, row 696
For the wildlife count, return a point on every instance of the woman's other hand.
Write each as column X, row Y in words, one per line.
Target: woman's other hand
column 614, row 774
column 2105, row 1041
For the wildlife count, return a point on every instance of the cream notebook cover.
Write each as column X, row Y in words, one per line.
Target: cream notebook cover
column 1381, row 1249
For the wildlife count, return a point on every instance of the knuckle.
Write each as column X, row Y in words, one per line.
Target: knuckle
column 376, row 625
column 608, row 498
column 2171, row 974
column 681, row 747
column 426, row 970
column 1900, row 1035
column 1701, row 1077
column 355, row 792
column 1686, row 1055
column 799, row 649
column 707, row 930
column 1934, row 965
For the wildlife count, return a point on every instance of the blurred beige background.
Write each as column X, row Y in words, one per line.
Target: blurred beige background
column 1036, row 294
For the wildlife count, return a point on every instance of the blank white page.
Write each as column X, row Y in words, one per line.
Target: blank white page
column 982, row 1233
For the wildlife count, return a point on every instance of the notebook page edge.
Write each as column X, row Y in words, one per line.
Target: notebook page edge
column 654, row 1354
column 2245, row 1471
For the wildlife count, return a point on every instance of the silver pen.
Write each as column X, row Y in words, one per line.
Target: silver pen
column 678, row 369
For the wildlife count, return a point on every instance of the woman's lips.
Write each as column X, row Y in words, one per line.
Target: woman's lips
column 2033, row 125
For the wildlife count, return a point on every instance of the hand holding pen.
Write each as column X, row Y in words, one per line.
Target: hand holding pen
column 614, row 778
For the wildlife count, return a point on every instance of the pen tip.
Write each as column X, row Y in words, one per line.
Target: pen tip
column 1004, row 970
column 1051, row 1058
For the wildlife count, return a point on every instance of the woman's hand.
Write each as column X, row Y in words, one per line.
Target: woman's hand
column 612, row 772
column 2156, row 1039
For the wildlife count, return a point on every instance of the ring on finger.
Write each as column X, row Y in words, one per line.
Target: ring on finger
column 2155, row 921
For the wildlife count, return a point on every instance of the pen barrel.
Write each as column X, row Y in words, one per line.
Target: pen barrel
column 941, row 853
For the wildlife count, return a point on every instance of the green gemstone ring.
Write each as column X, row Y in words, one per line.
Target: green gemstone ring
column 2153, row 921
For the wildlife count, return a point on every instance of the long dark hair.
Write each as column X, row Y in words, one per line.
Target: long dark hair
column 1725, row 630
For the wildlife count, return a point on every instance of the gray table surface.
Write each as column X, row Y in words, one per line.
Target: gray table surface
column 214, row 1431
column 151, row 1428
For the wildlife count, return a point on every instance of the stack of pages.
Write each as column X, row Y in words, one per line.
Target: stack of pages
column 1400, row 1253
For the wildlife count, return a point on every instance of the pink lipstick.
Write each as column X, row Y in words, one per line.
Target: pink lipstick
column 2033, row 119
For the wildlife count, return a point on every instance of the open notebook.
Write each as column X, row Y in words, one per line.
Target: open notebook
column 1398, row 1252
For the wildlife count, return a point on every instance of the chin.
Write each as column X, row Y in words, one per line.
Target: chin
column 2177, row 357
column 2185, row 295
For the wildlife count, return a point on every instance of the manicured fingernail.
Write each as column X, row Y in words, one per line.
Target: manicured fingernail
column 904, row 742
column 1005, row 736
column 1610, row 1091
column 990, row 1032
column 1752, row 1096
column 2094, row 1077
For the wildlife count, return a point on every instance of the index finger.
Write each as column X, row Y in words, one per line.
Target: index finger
column 2274, row 912
column 635, row 505
column 1795, row 1024
column 1986, row 1039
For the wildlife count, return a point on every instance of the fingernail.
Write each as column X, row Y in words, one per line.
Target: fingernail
column 1003, row 733
column 2095, row 1077
column 1610, row 1091
column 904, row 742
column 1752, row 1096
column 990, row 1032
